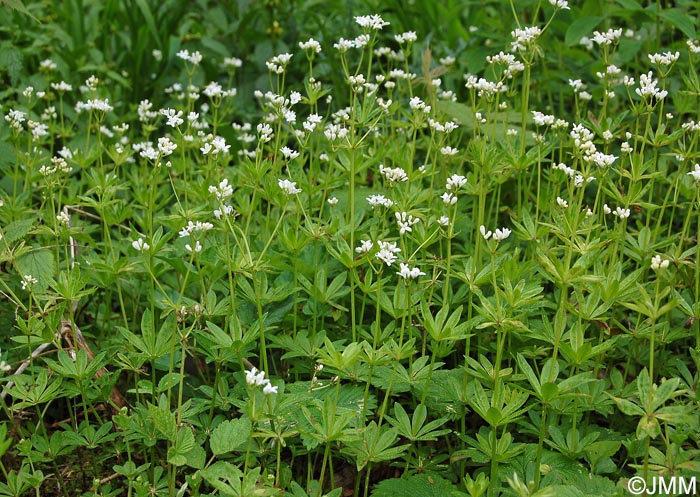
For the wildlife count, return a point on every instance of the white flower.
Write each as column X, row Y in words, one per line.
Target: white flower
column 559, row 4
column 365, row 246
column 223, row 191
column 174, row 118
column 658, row 263
column 332, row 201
column 696, row 173
column 379, row 200
column 255, row 378
column 523, row 38
column 371, row 22
column 664, row 59
column 165, row 146
column 455, row 182
column 449, row 151
column 606, row 209
column 449, row 198
column 225, row 210
column 196, row 249
column 393, row 175
column 140, row 245
column 269, row 389
column 288, row 187
column 192, row 227
column 647, row 87
column 542, row 119
column 288, row 153
column 562, row 203
column 621, row 212
column 444, row 221
column 28, row 280
column 498, row 235
column 405, row 221
column 407, row 272
column 387, row 251
column 501, row 234
column 408, row 36
column 63, row 218
column 608, row 38
column 311, row 45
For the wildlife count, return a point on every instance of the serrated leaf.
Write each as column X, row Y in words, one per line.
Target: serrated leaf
column 417, row 486
column 40, row 264
column 230, row 435
column 17, row 229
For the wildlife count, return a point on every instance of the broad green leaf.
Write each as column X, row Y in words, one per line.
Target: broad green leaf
column 230, row 435
column 40, row 264
column 583, row 26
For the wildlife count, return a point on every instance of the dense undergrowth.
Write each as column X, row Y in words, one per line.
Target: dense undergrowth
column 294, row 249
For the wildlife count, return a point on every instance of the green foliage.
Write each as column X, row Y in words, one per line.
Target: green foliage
column 233, row 264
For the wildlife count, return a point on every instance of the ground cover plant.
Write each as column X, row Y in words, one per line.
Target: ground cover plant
column 373, row 249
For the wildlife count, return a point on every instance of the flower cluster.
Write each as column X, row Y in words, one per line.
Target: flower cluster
column 256, row 378
column 658, row 263
column 498, row 235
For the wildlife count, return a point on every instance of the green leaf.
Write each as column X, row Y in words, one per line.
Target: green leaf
column 230, row 435
column 417, row 486
column 40, row 264
column 680, row 20
column 17, row 229
column 163, row 419
column 583, row 26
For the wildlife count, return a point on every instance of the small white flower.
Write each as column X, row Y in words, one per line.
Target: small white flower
column 288, row 153
column 393, row 175
column 223, row 191
column 658, row 263
column 484, row 233
column 269, row 389
column 365, row 246
column 501, row 234
column 449, row 198
column 695, row 173
column 63, row 219
column 405, row 222
column 606, row 209
column 387, row 252
column 288, row 187
column 444, row 221
column 562, row 203
column 455, row 182
column 332, row 201
column 140, row 245
column 196, row 249
column 449, row 151
column 28, row 280
column 621, row 212
column 407, row 272
column 379, row 200
column 371, row 22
